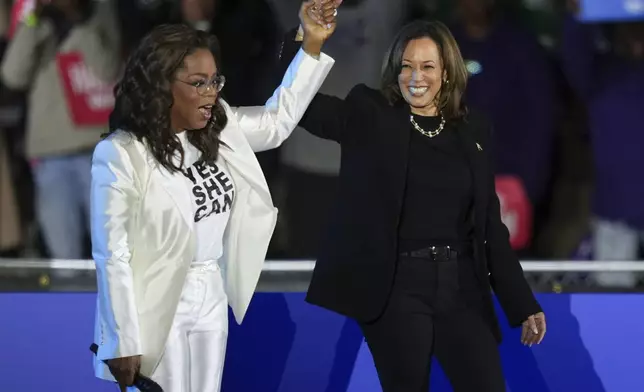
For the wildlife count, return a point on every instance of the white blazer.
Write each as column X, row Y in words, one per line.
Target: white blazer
column 142, row 232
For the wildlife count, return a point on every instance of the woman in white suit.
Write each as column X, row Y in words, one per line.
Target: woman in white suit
column 181, row 213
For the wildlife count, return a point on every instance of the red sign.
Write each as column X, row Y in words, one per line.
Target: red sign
column 516, row 210
column 20, row 9
column 89, row 99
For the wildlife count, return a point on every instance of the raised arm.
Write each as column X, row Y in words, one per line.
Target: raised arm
column 268, row 126
column 102, row 53
column 23, row 54
column 113, row 200
column 100, row 49
column 326, row 116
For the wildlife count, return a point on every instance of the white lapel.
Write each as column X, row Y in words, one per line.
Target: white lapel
column 173, row 184
column 242, row 164
column 242, row 160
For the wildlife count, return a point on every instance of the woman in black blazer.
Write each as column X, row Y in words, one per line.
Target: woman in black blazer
column 416, row 238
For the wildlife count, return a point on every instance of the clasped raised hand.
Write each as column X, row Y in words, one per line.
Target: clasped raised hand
column 318, row 20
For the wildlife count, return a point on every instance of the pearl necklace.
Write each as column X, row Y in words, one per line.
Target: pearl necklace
column 433, row 133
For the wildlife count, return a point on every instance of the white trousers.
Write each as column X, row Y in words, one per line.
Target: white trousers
column 193, row 360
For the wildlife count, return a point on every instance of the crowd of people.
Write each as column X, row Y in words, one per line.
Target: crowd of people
column 565, row 114
column 163, row 129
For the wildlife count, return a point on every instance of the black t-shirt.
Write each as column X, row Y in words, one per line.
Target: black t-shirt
column 438, row 196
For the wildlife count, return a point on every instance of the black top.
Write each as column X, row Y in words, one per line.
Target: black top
column 438, row 194
column 356, row 264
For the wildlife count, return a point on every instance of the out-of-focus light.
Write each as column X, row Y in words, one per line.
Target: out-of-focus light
column 473, row 67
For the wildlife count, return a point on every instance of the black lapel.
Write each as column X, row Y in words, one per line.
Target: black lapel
column 477, row 159
column 400, row 126
column 396, row 130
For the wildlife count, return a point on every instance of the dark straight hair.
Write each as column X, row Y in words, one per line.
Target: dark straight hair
column 450, row 96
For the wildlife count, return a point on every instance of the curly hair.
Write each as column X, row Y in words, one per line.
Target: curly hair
column 144, row 96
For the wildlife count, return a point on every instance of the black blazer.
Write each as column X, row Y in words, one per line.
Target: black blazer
column 355, row 268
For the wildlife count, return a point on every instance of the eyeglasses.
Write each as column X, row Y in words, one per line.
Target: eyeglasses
column 217, row 84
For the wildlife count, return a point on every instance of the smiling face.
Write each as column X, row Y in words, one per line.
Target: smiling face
column 194, row 92
column 421, row 76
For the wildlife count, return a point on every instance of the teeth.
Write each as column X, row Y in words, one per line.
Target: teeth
column 205, row 111
column 418, row 90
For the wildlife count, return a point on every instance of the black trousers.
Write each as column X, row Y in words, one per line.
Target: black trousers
column 433, row 310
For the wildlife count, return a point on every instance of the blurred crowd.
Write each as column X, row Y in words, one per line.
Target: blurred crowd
column 564, row 96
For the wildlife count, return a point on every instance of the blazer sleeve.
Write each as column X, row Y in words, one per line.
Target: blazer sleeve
column 266, row 127
column 113, row 199
column 506, row 274
column 326, row 116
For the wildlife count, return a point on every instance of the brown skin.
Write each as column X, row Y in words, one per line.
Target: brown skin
column 124, row 370
column 422, row 67
column 200, row 67
column 317, row 24
column 534, row 329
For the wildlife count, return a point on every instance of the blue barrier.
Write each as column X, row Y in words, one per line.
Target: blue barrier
column 594, row 344
column 611, row 10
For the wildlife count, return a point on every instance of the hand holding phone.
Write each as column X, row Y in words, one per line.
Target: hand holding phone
column 141, row 382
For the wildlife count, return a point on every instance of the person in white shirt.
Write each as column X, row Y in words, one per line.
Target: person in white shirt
column 180, row 210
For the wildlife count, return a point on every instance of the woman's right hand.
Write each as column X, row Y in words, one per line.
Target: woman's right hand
column 124, row 370
column 318, row 21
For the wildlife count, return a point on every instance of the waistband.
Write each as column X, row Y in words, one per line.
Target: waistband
column 440, row 253
column 406, row 245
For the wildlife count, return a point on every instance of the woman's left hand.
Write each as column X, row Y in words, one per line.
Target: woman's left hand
column 318, row 21
column 534, row 329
